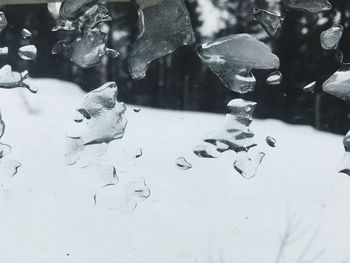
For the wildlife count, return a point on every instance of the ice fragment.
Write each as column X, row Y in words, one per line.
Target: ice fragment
column 28, row 52
column 331, row 37
column 182, row 163
column 274, row 78
column 312, row 6
column 248, row 166
column 272, row 23
column 338, row 84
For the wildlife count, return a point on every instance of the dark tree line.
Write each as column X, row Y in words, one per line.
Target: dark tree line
column 181, row 81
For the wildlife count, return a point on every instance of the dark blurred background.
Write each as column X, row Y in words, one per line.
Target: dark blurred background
column 180, row 81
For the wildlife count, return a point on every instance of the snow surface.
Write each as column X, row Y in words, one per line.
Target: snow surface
column 206, row 214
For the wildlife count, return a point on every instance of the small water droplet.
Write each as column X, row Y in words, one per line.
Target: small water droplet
column 183, row 164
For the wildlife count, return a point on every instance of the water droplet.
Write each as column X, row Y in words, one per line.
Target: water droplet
column 28, row 52
column 4, row 51
column 231, row 58
column 331, row 37
column 137, row 109
column 183, row 164
column 312, row 6
column 271, row 141
column 272, row 23
column 248, row 166
column 274, row 78
column 138, row 153
column 164, row 26
column 10, row 79
column 26, row 34
column 310, row 87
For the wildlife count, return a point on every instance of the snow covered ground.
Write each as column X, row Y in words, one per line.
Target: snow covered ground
column 206, row 214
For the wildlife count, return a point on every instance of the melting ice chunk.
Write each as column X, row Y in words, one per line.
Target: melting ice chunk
column 164, row 26
column 3, row 21
column 338, row 84
column 182, row 163
column 87, row 49
column 235, row 134
column 248, row 166
column 271, row 141
column 204, row 151
column 310, row 87
column 103, row 120
column 4, row 51
column 10, row 79
column 272, row 23
column 28, row 52
column 26, row 34
column 312, row 6
column 231, row 58
column 331, row 37
column 274, row 78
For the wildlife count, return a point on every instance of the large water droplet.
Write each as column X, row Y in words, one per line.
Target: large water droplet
column 331, row 37
column 164, row 26
column 28, row 52
column 247, row 166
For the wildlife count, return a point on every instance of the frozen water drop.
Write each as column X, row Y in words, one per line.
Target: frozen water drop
column 11, row 79
column 274, row 78
column 312, row 6
column 4, row 51
column 26, row 34
column 338, row 84
column 331, row 37
column 310, row 87
column 164, row 26
column 271, row 141
column 272, row 23
column 28, row 52
column 231, row 58
column 3, row 21
column 182, row 163
column 248, row 166
column 138, row 153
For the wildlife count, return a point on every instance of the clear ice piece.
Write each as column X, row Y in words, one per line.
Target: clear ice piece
column 272, row 23
column 274, row 78
column 182, row 163
column 28, row 52
column 26, row 34
column 271, row 141
column 3, row 21
column 4, row 51
column 87, row 49
column 235, row 132
column 10, row 79
column 164, row 26
column 310, row 87
column 338, row 84
column 105, row 116
column 312, row 6
column 331, row 37
column 248, row 166
column 231, row 58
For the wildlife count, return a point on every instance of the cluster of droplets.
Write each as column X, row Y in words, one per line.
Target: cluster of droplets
column 10, row 79
column 85, row 19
